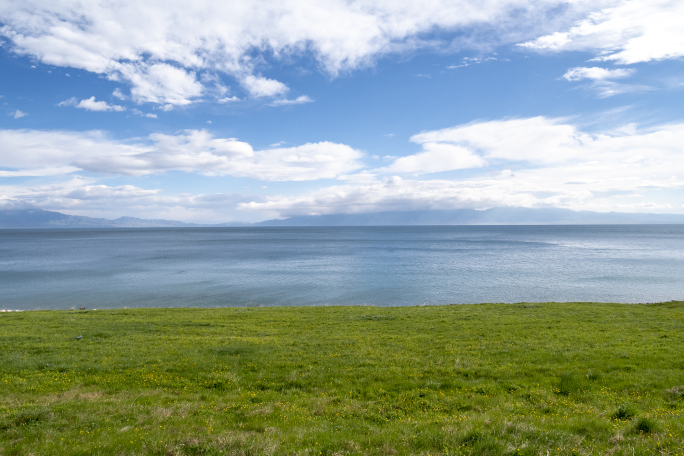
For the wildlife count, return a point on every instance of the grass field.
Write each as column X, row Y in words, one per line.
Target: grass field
column 506, row 379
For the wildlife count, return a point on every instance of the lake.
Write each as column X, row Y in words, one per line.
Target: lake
column 383, row 266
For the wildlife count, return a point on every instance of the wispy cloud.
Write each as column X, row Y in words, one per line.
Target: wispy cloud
column 119, row 94
column 468, row 61
column 18, row 114
column 285, row 102
column 89, row 104
column 631, row 32
column 597, row 73
column 228, row 99
column 138, row 112
column 601, row 80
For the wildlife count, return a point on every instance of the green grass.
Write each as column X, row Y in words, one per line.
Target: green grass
column 489, row 379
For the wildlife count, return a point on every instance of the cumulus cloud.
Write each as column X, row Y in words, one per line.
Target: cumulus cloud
column 35, row 151
column 435, row 158
column 258, row 86
column 90, row 104
column 556, row 165
column 532, row 162
column 190, row 151
column 160, row 47
column 542, row 141
column 596, row 73
column 199, row 151
column 76, row 192
column 632, row 31
column 536, row 139
column 161, row 83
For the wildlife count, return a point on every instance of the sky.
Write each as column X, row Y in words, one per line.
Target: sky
column 211, row 112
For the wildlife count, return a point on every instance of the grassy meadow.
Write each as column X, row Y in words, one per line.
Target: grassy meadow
column 490, row 379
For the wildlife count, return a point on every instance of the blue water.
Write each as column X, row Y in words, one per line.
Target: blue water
column 386, row 266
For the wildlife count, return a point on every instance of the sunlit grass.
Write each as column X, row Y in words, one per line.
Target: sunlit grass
column 530, row 379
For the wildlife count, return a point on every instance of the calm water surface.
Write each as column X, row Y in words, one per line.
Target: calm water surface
column 208, row 267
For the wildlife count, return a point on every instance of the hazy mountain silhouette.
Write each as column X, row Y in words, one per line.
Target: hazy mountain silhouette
column 494, row 216
column 37, row 218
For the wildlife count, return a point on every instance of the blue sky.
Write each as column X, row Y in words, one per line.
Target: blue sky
column 211, row 113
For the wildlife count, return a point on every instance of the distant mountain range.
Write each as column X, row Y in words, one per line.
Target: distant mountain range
column 37, row 218
column 494, row 216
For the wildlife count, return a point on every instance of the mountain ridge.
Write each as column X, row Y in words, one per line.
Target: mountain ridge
column 38, row 218
column 493, row 216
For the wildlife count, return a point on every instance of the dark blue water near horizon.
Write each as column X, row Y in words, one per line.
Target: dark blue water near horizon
column 384, row 266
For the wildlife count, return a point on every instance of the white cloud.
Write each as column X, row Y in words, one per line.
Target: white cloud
column 536, row 139
column 99, row 192
column 198, row 151
column 258, row 86
column 82, row 196
column 609, row 88
column 160, row 47
column 285, row 102
column 647, row 206
column 632, row 31
column 151, row 116
column 119, row 94
column 534, row 162
column 468, row 61
column 190, row 151
column 73, row 101
column 228, row 99
column 18, row 114
column 601, row 83
column 89, row 104
column 161, row 83
column 596, row 73
column 556, row 165
column 47, row 171
column 435, row 158
column 394, row 194
column 37, row 153
column 540, row 141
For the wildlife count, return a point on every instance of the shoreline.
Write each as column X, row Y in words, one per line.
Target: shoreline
column 674, row 301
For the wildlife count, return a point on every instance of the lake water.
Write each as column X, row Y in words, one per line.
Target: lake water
column 385, row 266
